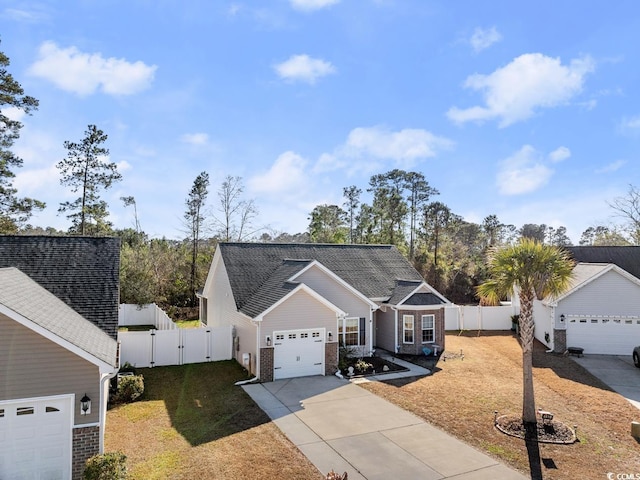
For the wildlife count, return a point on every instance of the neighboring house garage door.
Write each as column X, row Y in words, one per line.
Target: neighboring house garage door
column 35, row 438
column 603, row 335
column 298, row 353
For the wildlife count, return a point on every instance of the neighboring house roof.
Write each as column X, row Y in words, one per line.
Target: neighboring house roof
column 627, row 258
column 83, row 272
column 259, row 273
column 24, row 297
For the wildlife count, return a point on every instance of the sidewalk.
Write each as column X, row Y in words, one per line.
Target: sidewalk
column 342, row 427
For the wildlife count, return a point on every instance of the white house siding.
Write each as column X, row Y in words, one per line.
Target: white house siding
column 222, row 311
column 544, row 323
column 33, row 366
column 300, row 311
column 610, row 294
column 336, row 293
column 385, row 329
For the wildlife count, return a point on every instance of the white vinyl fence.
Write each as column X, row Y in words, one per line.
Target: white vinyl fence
column 166, row 344
column 150, row 314
column 156, row 348
column 477, row 317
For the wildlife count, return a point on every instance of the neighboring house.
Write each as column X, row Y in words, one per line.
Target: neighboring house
column 58, row 327
column 600, row 312
column 292, row 305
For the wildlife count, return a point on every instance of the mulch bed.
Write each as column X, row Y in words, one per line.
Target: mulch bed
column 551, row 431
column 377, row 366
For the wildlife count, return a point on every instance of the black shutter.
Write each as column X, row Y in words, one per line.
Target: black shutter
column 362, row 332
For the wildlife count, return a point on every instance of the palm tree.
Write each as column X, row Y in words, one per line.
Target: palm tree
column 534, row 271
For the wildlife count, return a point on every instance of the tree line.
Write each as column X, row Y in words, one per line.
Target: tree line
column 447, row 250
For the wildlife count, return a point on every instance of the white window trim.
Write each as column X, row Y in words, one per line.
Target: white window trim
column 405, row 329
column 433, row 327
column 342, row 322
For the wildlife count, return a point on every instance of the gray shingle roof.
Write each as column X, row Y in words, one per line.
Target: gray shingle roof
column 627, row 258
column 83, row 272
column 24, row 296
column 258, row 271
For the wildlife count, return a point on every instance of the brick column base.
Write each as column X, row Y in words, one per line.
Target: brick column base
column 86, row 444
column 330, row 358
column 266, row 364
column 559, row 341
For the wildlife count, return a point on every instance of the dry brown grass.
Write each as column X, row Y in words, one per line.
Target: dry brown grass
column 193, row 423
column 462, row 395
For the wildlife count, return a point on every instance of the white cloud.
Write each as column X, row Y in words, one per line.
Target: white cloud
column 523, row 172
column 367, row 147
column 531, row 81
column 195, row 138
column 560, row 154
column 612, row 167
column 303, row 68
column 404, row 145
column 285, row 175
column 14, row 113
column 482, row 38
column 310, row 5
column 123, row 166
column 630, row 124
column 82, row 73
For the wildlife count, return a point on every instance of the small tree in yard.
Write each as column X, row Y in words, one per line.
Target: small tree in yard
column 535, row 271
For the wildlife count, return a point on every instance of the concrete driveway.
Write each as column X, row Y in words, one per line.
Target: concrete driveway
column 342, row 427
column 617, row 371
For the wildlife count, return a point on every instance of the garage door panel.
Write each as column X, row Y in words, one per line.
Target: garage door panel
column 36, row 438
column 603, row 335
column 298, row 353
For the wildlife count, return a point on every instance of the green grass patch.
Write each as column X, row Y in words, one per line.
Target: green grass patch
column 188, row 323
column 202, row 400
column 159, row 467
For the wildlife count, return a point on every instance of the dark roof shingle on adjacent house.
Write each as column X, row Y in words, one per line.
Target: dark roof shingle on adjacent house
column 627, row 258
column 83, row 272
column 258, row 271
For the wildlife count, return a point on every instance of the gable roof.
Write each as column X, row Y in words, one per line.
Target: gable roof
column 259, row 273
column 585, row 273
column 83, row 272
column 627, row 258
column 27, row 302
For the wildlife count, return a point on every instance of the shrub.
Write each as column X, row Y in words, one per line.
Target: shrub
column 130, row 388
column 106, row 466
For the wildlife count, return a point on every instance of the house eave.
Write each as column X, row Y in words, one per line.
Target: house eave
column 103, row 366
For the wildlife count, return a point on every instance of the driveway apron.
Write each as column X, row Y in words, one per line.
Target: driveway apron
column 617, row 371
column 342, row 427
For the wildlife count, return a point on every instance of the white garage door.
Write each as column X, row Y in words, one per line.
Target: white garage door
column 35, row 438
column 603, row 335
column 298, row 353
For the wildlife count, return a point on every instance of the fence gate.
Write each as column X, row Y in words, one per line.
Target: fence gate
column 156, row 348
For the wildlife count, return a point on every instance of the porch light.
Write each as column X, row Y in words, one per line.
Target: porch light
column 562, row 317
column 268, row 340
column 85, row 405
column 329, row 336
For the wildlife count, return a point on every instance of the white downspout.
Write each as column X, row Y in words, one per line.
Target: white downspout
column 257, row 373
column 104, row 399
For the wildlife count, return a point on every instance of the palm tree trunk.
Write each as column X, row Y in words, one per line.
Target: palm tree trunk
column 526, row 339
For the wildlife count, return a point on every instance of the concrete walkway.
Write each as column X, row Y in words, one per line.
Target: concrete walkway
column 342, row 427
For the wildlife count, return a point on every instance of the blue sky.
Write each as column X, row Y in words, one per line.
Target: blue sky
column 526, row 110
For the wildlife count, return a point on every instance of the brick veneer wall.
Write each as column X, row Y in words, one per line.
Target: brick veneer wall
column 415, row 348
column 330, row 358
column 559, row 341
column 266, row 364
column 86, row 444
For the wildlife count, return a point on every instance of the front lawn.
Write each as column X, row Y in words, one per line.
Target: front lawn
column 465, row 390
column 193, row 422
